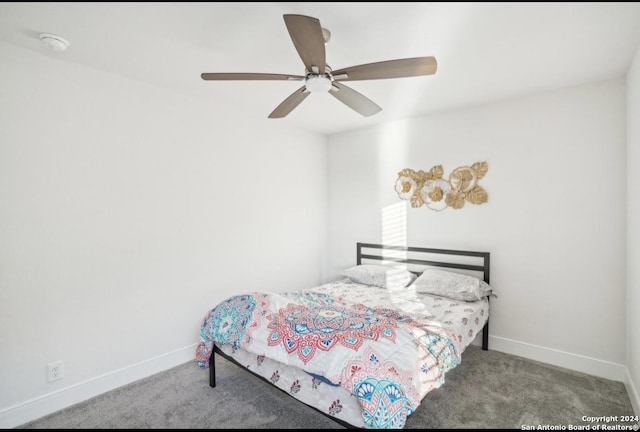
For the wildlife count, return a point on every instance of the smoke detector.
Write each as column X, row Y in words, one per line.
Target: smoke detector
column 54, row 42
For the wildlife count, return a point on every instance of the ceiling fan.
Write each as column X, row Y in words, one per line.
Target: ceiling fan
column 309, row 39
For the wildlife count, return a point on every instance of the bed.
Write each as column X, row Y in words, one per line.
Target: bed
column 362, row 350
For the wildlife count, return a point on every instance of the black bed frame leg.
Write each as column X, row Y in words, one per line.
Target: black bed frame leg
column 212, row 368
column 485, row 336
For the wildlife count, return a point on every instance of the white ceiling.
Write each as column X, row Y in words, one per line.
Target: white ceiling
column 486, row 51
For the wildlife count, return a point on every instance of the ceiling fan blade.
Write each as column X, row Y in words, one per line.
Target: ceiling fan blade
column 307, row 37
column 250, row 76
column 354, row 100
column 290, row 103
column 400, row 68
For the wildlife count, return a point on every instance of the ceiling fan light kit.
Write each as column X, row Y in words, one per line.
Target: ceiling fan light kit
column 309, row 39
column 317, row 84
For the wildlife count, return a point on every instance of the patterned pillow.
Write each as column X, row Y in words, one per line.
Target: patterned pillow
column 380, row 276
column 452, row 285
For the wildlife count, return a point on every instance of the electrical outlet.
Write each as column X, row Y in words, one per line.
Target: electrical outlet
column 56, row 370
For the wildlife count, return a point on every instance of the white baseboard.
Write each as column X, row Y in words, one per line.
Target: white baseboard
column 633, row 393
column 48, row 403
column 576, row 362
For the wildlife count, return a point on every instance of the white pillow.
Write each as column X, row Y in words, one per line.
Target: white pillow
column 451, row 285
column 380, row 276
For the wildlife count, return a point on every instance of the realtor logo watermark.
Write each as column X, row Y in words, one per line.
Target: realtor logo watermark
column 593, row 423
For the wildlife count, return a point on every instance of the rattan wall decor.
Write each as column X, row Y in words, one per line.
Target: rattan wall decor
column 429, row 188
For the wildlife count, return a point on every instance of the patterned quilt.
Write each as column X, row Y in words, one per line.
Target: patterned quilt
column 389, row 360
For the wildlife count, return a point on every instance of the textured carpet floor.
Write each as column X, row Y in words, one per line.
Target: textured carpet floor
column 488, row 389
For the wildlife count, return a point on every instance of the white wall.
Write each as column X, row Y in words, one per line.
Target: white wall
column 633, row 228
column 554, row 223
column 126, row 212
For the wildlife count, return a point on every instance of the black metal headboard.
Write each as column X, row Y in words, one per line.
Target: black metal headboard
column 429, row 257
